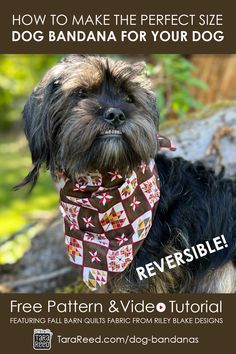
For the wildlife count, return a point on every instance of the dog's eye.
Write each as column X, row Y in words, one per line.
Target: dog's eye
column 55, row 85
column 82, row 93
column 129, row 99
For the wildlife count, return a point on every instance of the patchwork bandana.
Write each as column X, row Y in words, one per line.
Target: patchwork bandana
column 107, row 217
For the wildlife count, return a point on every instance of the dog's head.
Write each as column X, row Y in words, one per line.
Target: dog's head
column 91, row 113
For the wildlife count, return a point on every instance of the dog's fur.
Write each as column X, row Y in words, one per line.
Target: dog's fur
column 63, row 119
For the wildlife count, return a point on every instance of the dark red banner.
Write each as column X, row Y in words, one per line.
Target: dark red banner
column 98, row 27
column 164, row 323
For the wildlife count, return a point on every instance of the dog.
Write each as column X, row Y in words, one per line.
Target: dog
column 95, row 114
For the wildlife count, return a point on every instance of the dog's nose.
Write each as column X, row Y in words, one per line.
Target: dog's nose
column 114, row 116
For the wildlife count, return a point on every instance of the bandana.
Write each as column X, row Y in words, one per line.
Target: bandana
column 107, row 217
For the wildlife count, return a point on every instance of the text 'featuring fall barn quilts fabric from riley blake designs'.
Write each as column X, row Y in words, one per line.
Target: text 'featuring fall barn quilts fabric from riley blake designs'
column 106, row 219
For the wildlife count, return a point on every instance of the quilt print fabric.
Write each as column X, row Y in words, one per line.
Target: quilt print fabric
column 106, row 219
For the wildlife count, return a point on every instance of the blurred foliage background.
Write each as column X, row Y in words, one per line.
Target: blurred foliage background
column 175, row 79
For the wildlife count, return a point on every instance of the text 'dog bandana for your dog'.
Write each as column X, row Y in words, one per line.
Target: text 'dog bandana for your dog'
column 106, row 219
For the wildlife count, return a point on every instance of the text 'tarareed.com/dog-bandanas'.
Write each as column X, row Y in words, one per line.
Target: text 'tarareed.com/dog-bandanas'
column 107, row 217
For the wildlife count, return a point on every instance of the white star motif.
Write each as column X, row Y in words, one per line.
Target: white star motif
column 73, row 227
column 135, row 203
column 88, row 221
column 79, row 187
column 94, row 257
column 121, row 239
column 143, row 167
column 115, row 176
column 104, row 198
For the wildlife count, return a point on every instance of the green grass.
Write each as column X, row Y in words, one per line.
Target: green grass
column 20, row 208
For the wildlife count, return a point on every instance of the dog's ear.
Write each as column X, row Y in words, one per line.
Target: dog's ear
column 140, row 69
column 36, row 119
column 73, row 58
column 139, row 66
column 35, row 127
column 154, row 108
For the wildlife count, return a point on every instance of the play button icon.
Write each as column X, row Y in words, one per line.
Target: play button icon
column 161, row 307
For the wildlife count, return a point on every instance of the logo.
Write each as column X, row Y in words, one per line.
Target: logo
column 42, row 339
column 161, row 307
